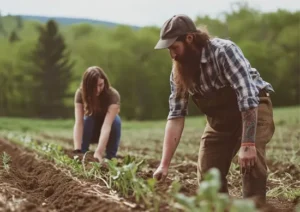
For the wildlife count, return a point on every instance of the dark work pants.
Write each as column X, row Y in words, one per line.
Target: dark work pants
column 91, row 132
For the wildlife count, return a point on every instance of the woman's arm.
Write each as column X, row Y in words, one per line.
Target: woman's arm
column 78, row 126
column 112, row 111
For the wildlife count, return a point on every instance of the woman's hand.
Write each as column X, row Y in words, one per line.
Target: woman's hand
column 106, row 129
column 98, row 156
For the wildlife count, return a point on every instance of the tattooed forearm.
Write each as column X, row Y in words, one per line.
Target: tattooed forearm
column 249, row 119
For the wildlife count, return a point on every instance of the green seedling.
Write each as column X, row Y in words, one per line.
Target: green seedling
column 209, row 199
column 5, row 161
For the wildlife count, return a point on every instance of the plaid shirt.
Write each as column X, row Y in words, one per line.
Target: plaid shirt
column 222, row 64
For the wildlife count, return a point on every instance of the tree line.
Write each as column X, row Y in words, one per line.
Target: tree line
column 41, row 65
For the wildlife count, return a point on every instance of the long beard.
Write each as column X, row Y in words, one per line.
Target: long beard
column 185, row 68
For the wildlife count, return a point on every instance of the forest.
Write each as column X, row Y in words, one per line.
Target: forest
column 41, row 64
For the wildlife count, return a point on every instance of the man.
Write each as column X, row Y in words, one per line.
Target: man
column 232, row 95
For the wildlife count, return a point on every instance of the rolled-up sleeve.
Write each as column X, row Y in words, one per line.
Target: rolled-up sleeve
column 237, row 71
column 178, row 105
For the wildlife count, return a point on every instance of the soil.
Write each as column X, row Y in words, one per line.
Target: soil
column 280, row 169
column 33, row 184
column 186, row 173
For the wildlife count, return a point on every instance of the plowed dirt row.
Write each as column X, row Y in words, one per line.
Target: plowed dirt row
column 187, row 175
column 33, row 184
column 187, row 172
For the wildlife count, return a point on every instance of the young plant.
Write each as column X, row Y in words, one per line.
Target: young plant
column 5, row 161
column 209, row 199
column 123, row 178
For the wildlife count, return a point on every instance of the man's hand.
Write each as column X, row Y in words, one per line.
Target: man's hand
column 247, row 157
column 174, row 128
column 161, row 173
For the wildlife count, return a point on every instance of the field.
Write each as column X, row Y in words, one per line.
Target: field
column 39, row 172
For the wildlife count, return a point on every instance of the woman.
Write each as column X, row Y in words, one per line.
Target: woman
column 97, row 106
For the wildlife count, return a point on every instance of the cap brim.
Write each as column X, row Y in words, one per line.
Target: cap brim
column 165, row 43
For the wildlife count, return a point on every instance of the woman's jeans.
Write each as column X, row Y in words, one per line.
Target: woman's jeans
column 91, row 132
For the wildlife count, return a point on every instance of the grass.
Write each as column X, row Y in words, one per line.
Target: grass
column 149, row 135
column 141, row 136
column 145, row 139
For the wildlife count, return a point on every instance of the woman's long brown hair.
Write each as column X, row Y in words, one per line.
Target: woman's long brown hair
column 93, row 103
column 183, row 76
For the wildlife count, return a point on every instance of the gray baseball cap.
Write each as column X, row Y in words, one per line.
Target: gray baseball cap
column 173, row 28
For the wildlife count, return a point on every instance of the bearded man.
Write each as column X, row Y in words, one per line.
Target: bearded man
column 233, row 96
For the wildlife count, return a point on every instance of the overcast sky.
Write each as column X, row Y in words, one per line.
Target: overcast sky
column 135, row 12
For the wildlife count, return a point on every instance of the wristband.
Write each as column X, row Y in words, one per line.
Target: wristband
column 247, row 144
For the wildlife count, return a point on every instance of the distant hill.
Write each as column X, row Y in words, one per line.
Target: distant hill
column 69, row 21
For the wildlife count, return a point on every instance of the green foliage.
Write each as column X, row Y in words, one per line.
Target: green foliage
column 270, row 41
column 53, row 72
column 5, row 161
column 71, row 21
column 19, row 22
column 121, row 176
column 13, row 37
column 124, row 179
column 208, row 199
column 2, row 29
column 139, row 136
column 297, row 207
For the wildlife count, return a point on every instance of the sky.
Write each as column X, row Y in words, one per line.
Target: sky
column 134, row 12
